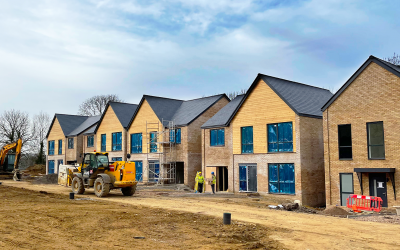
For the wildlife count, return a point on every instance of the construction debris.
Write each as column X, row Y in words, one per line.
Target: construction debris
column 335, row 211
column 47, row 179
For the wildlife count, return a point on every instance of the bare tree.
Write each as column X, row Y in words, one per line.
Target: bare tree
column 232, row 95
column 41, row 124
column 395, row 59
column 96, row 104
column 15, row 124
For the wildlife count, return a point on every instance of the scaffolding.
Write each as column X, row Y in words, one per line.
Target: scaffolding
column 161, row 151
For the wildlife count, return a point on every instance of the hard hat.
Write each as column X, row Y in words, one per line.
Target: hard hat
column 212, row 172
column 199, row 172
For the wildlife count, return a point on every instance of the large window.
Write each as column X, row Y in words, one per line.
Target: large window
column 103, row 143
column 247, row 140
column 70, row 143
column 116, row 159
column 175, row 135
column 90, row 141
column 51, row 167
column 51, row 147
column 60, row 147
column 280, row 137
column 153, row 142
column 376, row 146
column 117, row 141
column 139, row 170
column 247, row 178
column 281, row 178
column 346, row 187
column 345, row 146
column 217, row 137
column 136, row 143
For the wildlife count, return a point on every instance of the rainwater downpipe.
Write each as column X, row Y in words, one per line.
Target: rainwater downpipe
column 329, row 157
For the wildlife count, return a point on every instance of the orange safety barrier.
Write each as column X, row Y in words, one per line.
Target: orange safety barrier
column 363, row 202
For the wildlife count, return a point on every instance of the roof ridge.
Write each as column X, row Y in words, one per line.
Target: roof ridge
column 163, row 97
column 73, row 115
column 204, row 97
column 295, row 82
column 123, row 103
column 384, row 61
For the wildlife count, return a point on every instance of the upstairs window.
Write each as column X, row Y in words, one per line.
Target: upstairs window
column 376, row 141
column 117, row 141
column 70, row 143
column 217, row 137
column 90, row 141
column 103, row 142
column 136, row 143
column 60, row 147
column 281, row 178
column 175, row 135
column 153, row 142
column 51, row 147
column 247, row 140
column 345, row 146
column 280, row 137
column 114, row 159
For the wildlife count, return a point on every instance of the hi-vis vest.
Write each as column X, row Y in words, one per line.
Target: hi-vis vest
column 214, row 179
column 200, row 179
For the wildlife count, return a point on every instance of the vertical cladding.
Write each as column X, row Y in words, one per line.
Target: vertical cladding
column 372, row 96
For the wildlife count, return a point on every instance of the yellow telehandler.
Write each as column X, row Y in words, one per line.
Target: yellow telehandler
column 96, row 172
column 3, row 153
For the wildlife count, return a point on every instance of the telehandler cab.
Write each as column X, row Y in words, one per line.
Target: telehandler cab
column 96, row 172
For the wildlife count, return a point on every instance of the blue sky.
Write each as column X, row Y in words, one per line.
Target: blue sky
column 54, row 54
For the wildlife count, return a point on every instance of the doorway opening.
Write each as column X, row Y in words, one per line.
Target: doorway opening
column 222, row 179
column 180, row 173
column 154, row 171
column 248, row 178
column 377, row 186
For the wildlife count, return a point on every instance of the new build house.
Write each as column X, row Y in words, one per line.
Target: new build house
column 165, row 137
column 111, row 132
column 362, row 135
column 65, row 139
column 277, row 142
column 217, row 151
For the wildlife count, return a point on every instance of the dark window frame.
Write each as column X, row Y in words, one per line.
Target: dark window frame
column 60, row 147
column 277, row 139
column 153, row 144
column 279, row 182
column 92, row 141
column 69, row 144
column 112, row 141
column 241, row 140
column 139, row 148
column 340, row 185
column 101, row 142
column 351, row 139
column 50, row 151
column 368, row 145
column 218, row 145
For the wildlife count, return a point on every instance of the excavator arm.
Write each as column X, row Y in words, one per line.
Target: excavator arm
column 3, row 153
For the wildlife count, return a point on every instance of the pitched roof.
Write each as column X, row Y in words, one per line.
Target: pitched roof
column 222, row 117
column 179, row 111
column 90, row 121
column 67, row 122
column 91, row 130
column 304, row 100
column 124, row 112
column 386, row 65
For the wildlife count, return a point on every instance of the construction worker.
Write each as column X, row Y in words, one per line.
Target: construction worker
column 196, row 182
column 214, row 181
column 200, row 183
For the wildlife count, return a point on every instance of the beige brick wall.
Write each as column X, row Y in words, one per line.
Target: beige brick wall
column 87, row 149
column 74, row 154
column 372, row 96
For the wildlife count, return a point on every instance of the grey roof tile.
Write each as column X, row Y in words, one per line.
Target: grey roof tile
column 164, row 108
column 91, row 130
column 222, row 117
column 68, row 122
column 90, row 121
column 124, row 112
column 304, row 99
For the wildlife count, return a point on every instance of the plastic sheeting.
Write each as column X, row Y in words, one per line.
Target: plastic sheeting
column 247, row 139
column 90, row 141
column 217, row 137
column 70, row 143
column 281, row 178
column 153, row 144
column 51, row 147
column 280, row 137
column 136, row 143
column 139, row 170
column 178, row 135
column 60, row 147
column 242, row 178
column 51, row 167
column 117, row 141
column 103, row 143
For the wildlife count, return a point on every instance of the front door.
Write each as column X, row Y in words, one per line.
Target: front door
column 377, row 186
column 248, row 178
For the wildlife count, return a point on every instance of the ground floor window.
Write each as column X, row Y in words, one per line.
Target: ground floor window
column 281, row 178
column 116, row 159
column 139, row 170
column 346, row 187
column 51, row 167
column 248, row 177
column 154, row 171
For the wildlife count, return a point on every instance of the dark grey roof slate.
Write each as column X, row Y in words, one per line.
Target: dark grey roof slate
column 164, row 108
column 304, row 99
column 68, row 122
column 190, row 110
column 91, row 130
column 222, row 117
column 386, row 65
column 90, row 121
column 124, row 112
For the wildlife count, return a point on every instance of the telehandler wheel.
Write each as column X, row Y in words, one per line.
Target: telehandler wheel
column 77, row 186
column 101, row 189
column 128, row 191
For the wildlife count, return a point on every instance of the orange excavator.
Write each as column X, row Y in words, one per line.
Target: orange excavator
column 3, row 153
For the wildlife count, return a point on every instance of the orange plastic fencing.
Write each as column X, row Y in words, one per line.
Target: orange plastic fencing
column 363, row 202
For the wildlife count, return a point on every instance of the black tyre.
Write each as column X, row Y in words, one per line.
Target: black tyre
column 128, row 191
column 77, row 186
column 101, row 189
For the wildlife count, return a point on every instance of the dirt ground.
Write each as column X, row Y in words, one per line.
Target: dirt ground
column 282, row 229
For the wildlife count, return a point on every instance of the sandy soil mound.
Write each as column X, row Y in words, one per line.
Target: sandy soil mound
column 35, row 170
column 47, row 179
column 335, row 211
